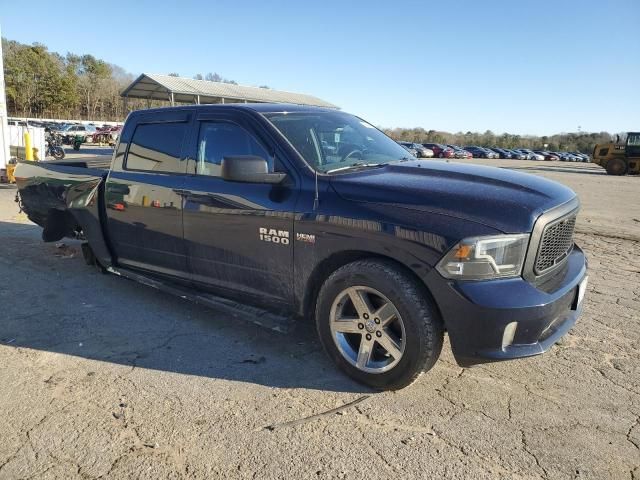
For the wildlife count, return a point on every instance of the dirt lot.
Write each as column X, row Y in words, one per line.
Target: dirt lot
column 101, row 377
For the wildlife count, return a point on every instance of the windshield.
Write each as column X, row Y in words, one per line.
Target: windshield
column 330, row 141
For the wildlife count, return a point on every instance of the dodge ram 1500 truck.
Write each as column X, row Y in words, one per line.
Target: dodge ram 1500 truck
column 308, row 212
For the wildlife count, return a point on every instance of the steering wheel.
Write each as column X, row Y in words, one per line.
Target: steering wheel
column 352, row 152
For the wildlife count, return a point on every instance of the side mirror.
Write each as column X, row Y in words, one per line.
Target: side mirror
column 249, row 169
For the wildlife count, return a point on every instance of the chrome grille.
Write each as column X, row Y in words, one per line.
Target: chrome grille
column 556, row 243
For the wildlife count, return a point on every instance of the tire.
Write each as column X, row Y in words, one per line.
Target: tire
column 90, row 258
column 410, row 326
column 616, row 166
column 57, row 152
column 440, row 155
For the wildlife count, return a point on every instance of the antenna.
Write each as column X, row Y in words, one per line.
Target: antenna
column 316, row 146
column 316, row 199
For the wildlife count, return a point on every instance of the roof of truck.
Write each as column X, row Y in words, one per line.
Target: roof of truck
column 258, row 107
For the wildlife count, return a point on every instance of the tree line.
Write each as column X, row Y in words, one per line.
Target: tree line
column 45, row 84
column 569, row 142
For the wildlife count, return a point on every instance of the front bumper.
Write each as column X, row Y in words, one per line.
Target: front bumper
column 480, row 315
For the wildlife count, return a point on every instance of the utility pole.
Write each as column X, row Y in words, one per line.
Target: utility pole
column 4, row 126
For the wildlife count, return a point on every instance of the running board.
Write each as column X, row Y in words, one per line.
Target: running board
column 248, row 313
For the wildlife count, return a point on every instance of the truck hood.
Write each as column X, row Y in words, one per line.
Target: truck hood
column 499, row 198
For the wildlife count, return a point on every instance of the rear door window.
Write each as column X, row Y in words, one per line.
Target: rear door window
column 156, row 147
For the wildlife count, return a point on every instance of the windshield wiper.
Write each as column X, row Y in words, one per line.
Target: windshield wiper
column 356, row 165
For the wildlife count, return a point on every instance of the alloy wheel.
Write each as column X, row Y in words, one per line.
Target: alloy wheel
column 367, row 329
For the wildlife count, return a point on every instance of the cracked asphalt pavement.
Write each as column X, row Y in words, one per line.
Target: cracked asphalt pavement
column 103, row 378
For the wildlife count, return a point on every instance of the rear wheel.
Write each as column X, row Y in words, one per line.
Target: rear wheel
column 616, row 166
column 377, row 324
column 90, row 257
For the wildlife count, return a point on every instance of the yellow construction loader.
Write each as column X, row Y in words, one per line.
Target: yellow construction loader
column 619, row 158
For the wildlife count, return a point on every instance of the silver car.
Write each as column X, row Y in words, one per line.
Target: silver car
column 85, row 131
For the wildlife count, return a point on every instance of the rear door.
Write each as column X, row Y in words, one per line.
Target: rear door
column 238, row 235
column 144, row 205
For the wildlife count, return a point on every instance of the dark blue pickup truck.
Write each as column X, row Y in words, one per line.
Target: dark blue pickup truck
column 295, row 211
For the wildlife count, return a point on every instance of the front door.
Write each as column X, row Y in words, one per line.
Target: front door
column 238, row 235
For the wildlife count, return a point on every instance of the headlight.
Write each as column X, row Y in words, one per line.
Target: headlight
column 479, row 258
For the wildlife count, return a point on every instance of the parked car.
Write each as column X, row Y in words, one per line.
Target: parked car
column 481, row 152
column 516, row 154
column 547, row 155
column 385, row 253
column 106, row 134
column 421, row 150
column 69, row 132
column 439, row 150
column 501, row 152
column 531, row 155
column 573, row 157
column 408, row 146
column 583, row 156
column 563, row 156
column 477, row 152
column 460, row 152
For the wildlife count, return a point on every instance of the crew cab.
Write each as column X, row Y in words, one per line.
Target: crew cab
column 296, row 211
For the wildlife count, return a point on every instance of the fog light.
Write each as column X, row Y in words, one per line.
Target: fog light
column 509, row 333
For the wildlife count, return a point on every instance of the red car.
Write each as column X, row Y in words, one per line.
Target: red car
column 440, row 151
column 107, row 134
column 459, row 152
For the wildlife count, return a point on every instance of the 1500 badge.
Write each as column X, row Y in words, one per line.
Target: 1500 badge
column 272, row 235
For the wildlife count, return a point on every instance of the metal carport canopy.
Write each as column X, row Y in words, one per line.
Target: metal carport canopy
column 187, row 90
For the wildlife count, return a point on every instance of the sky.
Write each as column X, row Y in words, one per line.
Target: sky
column 525, row 67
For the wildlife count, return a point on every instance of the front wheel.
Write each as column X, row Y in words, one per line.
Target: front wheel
column 57, row 152
column 616, row 166
column 377, row 324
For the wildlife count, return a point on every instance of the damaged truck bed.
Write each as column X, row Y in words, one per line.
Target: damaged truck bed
column 63, row 199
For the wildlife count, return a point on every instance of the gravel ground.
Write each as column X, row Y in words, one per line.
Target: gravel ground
column 102, row 377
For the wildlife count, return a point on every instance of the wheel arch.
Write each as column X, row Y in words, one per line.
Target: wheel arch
column 327, row 266
column 60, row 224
